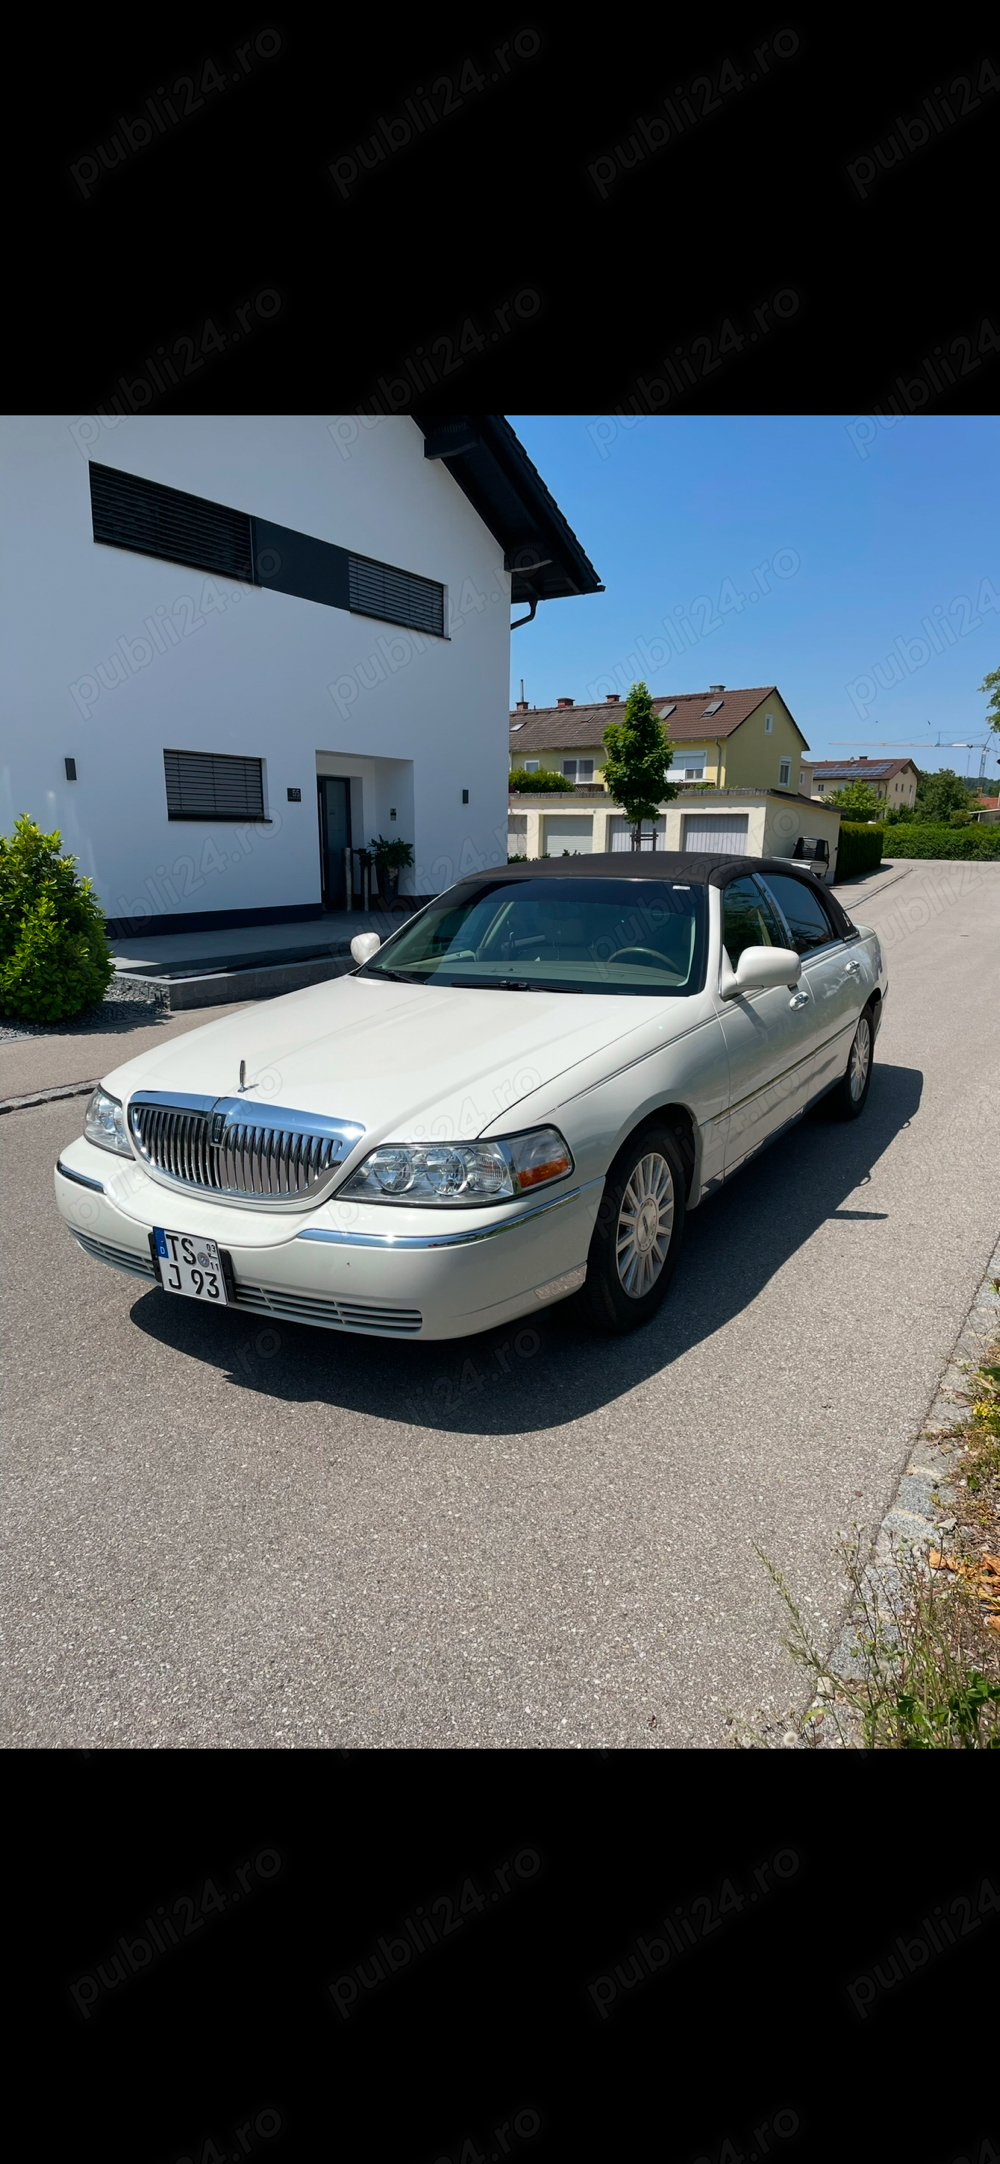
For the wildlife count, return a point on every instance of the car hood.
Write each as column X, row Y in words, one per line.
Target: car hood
column 396, row 1057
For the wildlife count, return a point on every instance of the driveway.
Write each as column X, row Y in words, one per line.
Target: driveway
column 219, row 1537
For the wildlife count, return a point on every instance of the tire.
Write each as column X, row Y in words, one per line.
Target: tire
column 850, row 1097
column 629, row 1267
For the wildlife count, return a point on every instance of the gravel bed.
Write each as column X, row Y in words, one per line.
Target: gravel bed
column 125, row 1004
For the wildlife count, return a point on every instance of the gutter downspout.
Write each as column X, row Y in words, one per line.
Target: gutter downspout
column 519, row 620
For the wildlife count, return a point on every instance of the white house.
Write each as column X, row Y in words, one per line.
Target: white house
column 235, row 647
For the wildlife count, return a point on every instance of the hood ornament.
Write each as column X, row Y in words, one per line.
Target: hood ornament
column 243, row 1074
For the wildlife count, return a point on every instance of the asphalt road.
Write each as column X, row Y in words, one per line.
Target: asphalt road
column 219, row 1537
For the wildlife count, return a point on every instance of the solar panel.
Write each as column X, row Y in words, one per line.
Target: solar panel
column 876, row 768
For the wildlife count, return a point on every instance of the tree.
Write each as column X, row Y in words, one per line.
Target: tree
column 991, row 683
column 938, row 795
column 544, row 782
column 858, row 800
column 639, row 753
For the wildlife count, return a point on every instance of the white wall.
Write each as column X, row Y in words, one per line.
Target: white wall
column 242, row 669
column 773, row 824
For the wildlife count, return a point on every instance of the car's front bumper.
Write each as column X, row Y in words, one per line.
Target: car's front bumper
column 380, row 1270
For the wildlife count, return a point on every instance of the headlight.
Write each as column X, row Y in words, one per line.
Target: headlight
column 105, row 1124
column 450, row 1173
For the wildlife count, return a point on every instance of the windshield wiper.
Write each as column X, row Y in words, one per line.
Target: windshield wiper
column 398, row 976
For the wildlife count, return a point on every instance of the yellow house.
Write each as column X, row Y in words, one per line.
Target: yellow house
column 735, row 739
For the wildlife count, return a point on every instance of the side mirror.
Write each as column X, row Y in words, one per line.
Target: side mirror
column 761, row 969
column 364, row 945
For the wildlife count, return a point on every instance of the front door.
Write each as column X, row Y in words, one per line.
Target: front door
column 334, row 838
column 770, row 1036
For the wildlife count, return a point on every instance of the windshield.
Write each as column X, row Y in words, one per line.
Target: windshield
column 559, row 935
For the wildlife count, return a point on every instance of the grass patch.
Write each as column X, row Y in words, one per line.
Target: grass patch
column 923, row 1668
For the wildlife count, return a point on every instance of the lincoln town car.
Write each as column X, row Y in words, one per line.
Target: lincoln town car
column 514, row 1100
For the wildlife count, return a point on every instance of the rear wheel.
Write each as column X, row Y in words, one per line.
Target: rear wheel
column 851, row 1094
column 636, row 1241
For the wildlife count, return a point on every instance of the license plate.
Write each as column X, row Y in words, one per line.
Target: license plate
column 190, row 1266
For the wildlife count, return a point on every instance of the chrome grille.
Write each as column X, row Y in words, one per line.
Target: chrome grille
column 220, row 1147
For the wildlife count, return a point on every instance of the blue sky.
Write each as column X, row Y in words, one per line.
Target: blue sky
column 879, row 549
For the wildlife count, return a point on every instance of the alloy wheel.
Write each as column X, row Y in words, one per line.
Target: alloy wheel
column 861, row 1052
column 645, row 1225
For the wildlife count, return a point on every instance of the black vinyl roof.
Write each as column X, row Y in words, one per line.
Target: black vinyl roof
column 687, row 868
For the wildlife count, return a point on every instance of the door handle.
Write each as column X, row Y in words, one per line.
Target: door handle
column 852, row 969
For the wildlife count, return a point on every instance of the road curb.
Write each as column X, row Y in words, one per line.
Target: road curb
column 847, row 886
column 918, row 1513
column 46, row 1097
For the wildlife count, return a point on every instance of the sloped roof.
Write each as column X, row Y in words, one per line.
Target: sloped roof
column 492, row 468
column 555, row 728
column 858, row 769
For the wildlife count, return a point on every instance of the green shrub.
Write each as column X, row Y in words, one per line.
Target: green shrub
column 976, row 842
column 545, row 783
column 54, row 955
column 859, row 849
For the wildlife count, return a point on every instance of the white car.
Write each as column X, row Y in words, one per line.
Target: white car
column 515, row 1099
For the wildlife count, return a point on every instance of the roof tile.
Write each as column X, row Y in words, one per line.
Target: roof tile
column 558, row 728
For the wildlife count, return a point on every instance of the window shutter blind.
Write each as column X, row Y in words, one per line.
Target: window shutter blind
column 130, row 513
column 213, row 785
column 398, row 597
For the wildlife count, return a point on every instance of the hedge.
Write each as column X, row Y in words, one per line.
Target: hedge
column 909, row 840
column 859, row 848
column 543, row 782
column 54, row 955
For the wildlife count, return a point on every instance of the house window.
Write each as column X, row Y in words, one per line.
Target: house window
column 397, row 597
column 531, row 766
column 213, row 785
column 784, row 773
column 769, row 725
column 578, row 769
column 129, row 512
column 694, row 766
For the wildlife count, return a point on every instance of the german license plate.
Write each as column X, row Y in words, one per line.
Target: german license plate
column 190, row 1266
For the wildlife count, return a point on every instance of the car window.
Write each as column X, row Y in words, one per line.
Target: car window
column 802, row 909
column 576, row 934
column 748, row 919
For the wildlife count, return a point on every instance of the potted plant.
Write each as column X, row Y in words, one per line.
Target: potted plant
column 389, row 859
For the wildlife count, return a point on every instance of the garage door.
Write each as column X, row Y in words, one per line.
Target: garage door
column 575, row 835
column 653, row 834
column 721, row 834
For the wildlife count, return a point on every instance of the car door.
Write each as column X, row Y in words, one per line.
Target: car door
column 834, row 971
column 770, row 1035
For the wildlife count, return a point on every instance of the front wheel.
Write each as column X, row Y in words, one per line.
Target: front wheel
column 851, row 1094
column 636, row 1240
